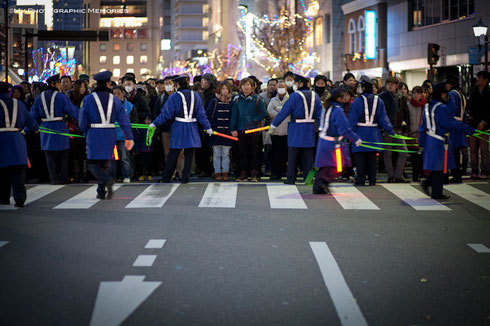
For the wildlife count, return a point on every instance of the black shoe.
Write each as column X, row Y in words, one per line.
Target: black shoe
column 100, row 196
column 391, row 180
column 402, row 180
column 359, row 183
column 109, row 188
column 275, row 177
column 19, row 204
column 456, row 180
column 321, row 190
column 287, row 182
column 372, row 183
column 443, row 196
column 425, row 187
column 4, row 202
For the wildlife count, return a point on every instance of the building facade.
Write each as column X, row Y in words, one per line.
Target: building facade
column 134, row 32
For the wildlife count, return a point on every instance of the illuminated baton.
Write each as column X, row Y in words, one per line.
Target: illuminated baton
column 445, row 158
column 224, row 136
column 338, row 156
column 116, row 155
column 249, row 131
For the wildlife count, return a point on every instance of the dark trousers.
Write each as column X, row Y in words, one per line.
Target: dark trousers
column 13, row 177
column 144, row 162
column 323, row 177
column 365, row 164
column 279, row 156
column 436, row 181
column 307, row 158
column 248, row 150
column 457, row 172
column 173, row 156
column 417, row 167
column 57, row 162
column 100, row 170
column 203, row 155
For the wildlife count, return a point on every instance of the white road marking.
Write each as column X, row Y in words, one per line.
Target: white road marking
column 3, row 243
column 156, row 195
column 220, row 195
column 471, row 194
column 345, row 304
column 117, row 300
column 285, row 196
column 33, row 194
column 83, row 200
column 144, row 261
column 349, row 197
column 155, row 244
column 479, row 248
column 415, row 198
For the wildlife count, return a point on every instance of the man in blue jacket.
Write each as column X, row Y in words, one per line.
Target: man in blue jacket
column 14, row 117
column 305, row 108
column 49, row 108
column 100, row 110
column 185, row 106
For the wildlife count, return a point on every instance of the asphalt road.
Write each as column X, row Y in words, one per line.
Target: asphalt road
column 252, row 254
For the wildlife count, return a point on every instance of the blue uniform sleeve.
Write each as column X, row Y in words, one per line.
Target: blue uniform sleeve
column 30, row 125
column 285, row 111
column 234, row 116
column 168, row 110
column 422, row 129
column 122, row 118
column 342, row 125
column 383, row 120
column 318, row 109
column 451, row 124
column 83, row 115
column 355, row 113
column 201, row 115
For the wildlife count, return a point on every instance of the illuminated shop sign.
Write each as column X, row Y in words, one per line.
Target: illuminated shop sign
column 370, row 34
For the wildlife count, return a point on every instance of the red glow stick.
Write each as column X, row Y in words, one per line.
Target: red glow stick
column 249, row 131
column 224, row 136
column 445, row 158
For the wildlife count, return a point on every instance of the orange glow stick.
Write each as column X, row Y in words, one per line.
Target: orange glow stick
column 249, row 131
column 225, row 136
column 338, row 156
column 116, row 155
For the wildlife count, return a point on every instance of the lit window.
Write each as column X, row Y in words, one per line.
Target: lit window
column 130, row 70
column 144, row 71
column 116, row 47
column 143, row 59
column 116, row 72
column 166, row 44
column 116, row 59
column 130, row 46
column 101, row 70
column 103, row 59
column 130, row 59
column 318, row 31
column 360, row 29
column 102, row 46
column 143, row 46
column 352, row 36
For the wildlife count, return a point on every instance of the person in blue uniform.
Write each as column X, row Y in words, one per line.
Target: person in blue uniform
column 14, row 117
column 457, row 140
column 100, row 110
column 366, row 116
column 185, row 106
column 333, row 127
column 305, row 108
column 436, row 123
column 49, row 108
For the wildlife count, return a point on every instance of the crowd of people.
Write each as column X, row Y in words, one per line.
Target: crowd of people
column 378, row 126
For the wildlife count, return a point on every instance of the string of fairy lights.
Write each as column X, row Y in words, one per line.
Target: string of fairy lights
column 50, row 63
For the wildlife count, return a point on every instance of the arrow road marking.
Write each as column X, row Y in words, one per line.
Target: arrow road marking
column 155, row 244
column 343, row 300
column 479, row 248
column 117, row 300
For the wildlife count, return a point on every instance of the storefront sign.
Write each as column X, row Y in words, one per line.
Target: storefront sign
column 370, row 34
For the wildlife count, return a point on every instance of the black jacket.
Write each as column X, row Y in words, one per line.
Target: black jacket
column 478, row 107
column 396, row 109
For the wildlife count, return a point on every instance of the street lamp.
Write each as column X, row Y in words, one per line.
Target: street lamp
column 480, row 30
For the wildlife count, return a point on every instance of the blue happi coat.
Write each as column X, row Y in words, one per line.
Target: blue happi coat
column 333, row 125
column 50, row 113
column 365, row 124
column 100, row 131
column 456, row 106
column 301, row 129
column 436, row 122
column 13, row 150
column 184, row 133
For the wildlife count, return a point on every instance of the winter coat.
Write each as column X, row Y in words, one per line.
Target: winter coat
column 275, row 106
column 219, row 115
column 246, row 113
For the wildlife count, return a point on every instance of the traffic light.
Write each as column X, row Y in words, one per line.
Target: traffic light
column 432, row 53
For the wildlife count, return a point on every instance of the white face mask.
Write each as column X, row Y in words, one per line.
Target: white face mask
column 295, row 88
column 169, row 88
column 289, row 83
column 128, row 89
column 281, row 91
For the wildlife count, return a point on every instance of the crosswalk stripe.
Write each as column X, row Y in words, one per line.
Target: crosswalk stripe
column 154, row 196
column 220, row 195
column 34, row 194
column 83, row 200
column 144, row 261
column 349, row 197
column 471, row 194
column 285, row 196
column 479, row 248
column 415, row 198
column 155, row 243
column 3, row 243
